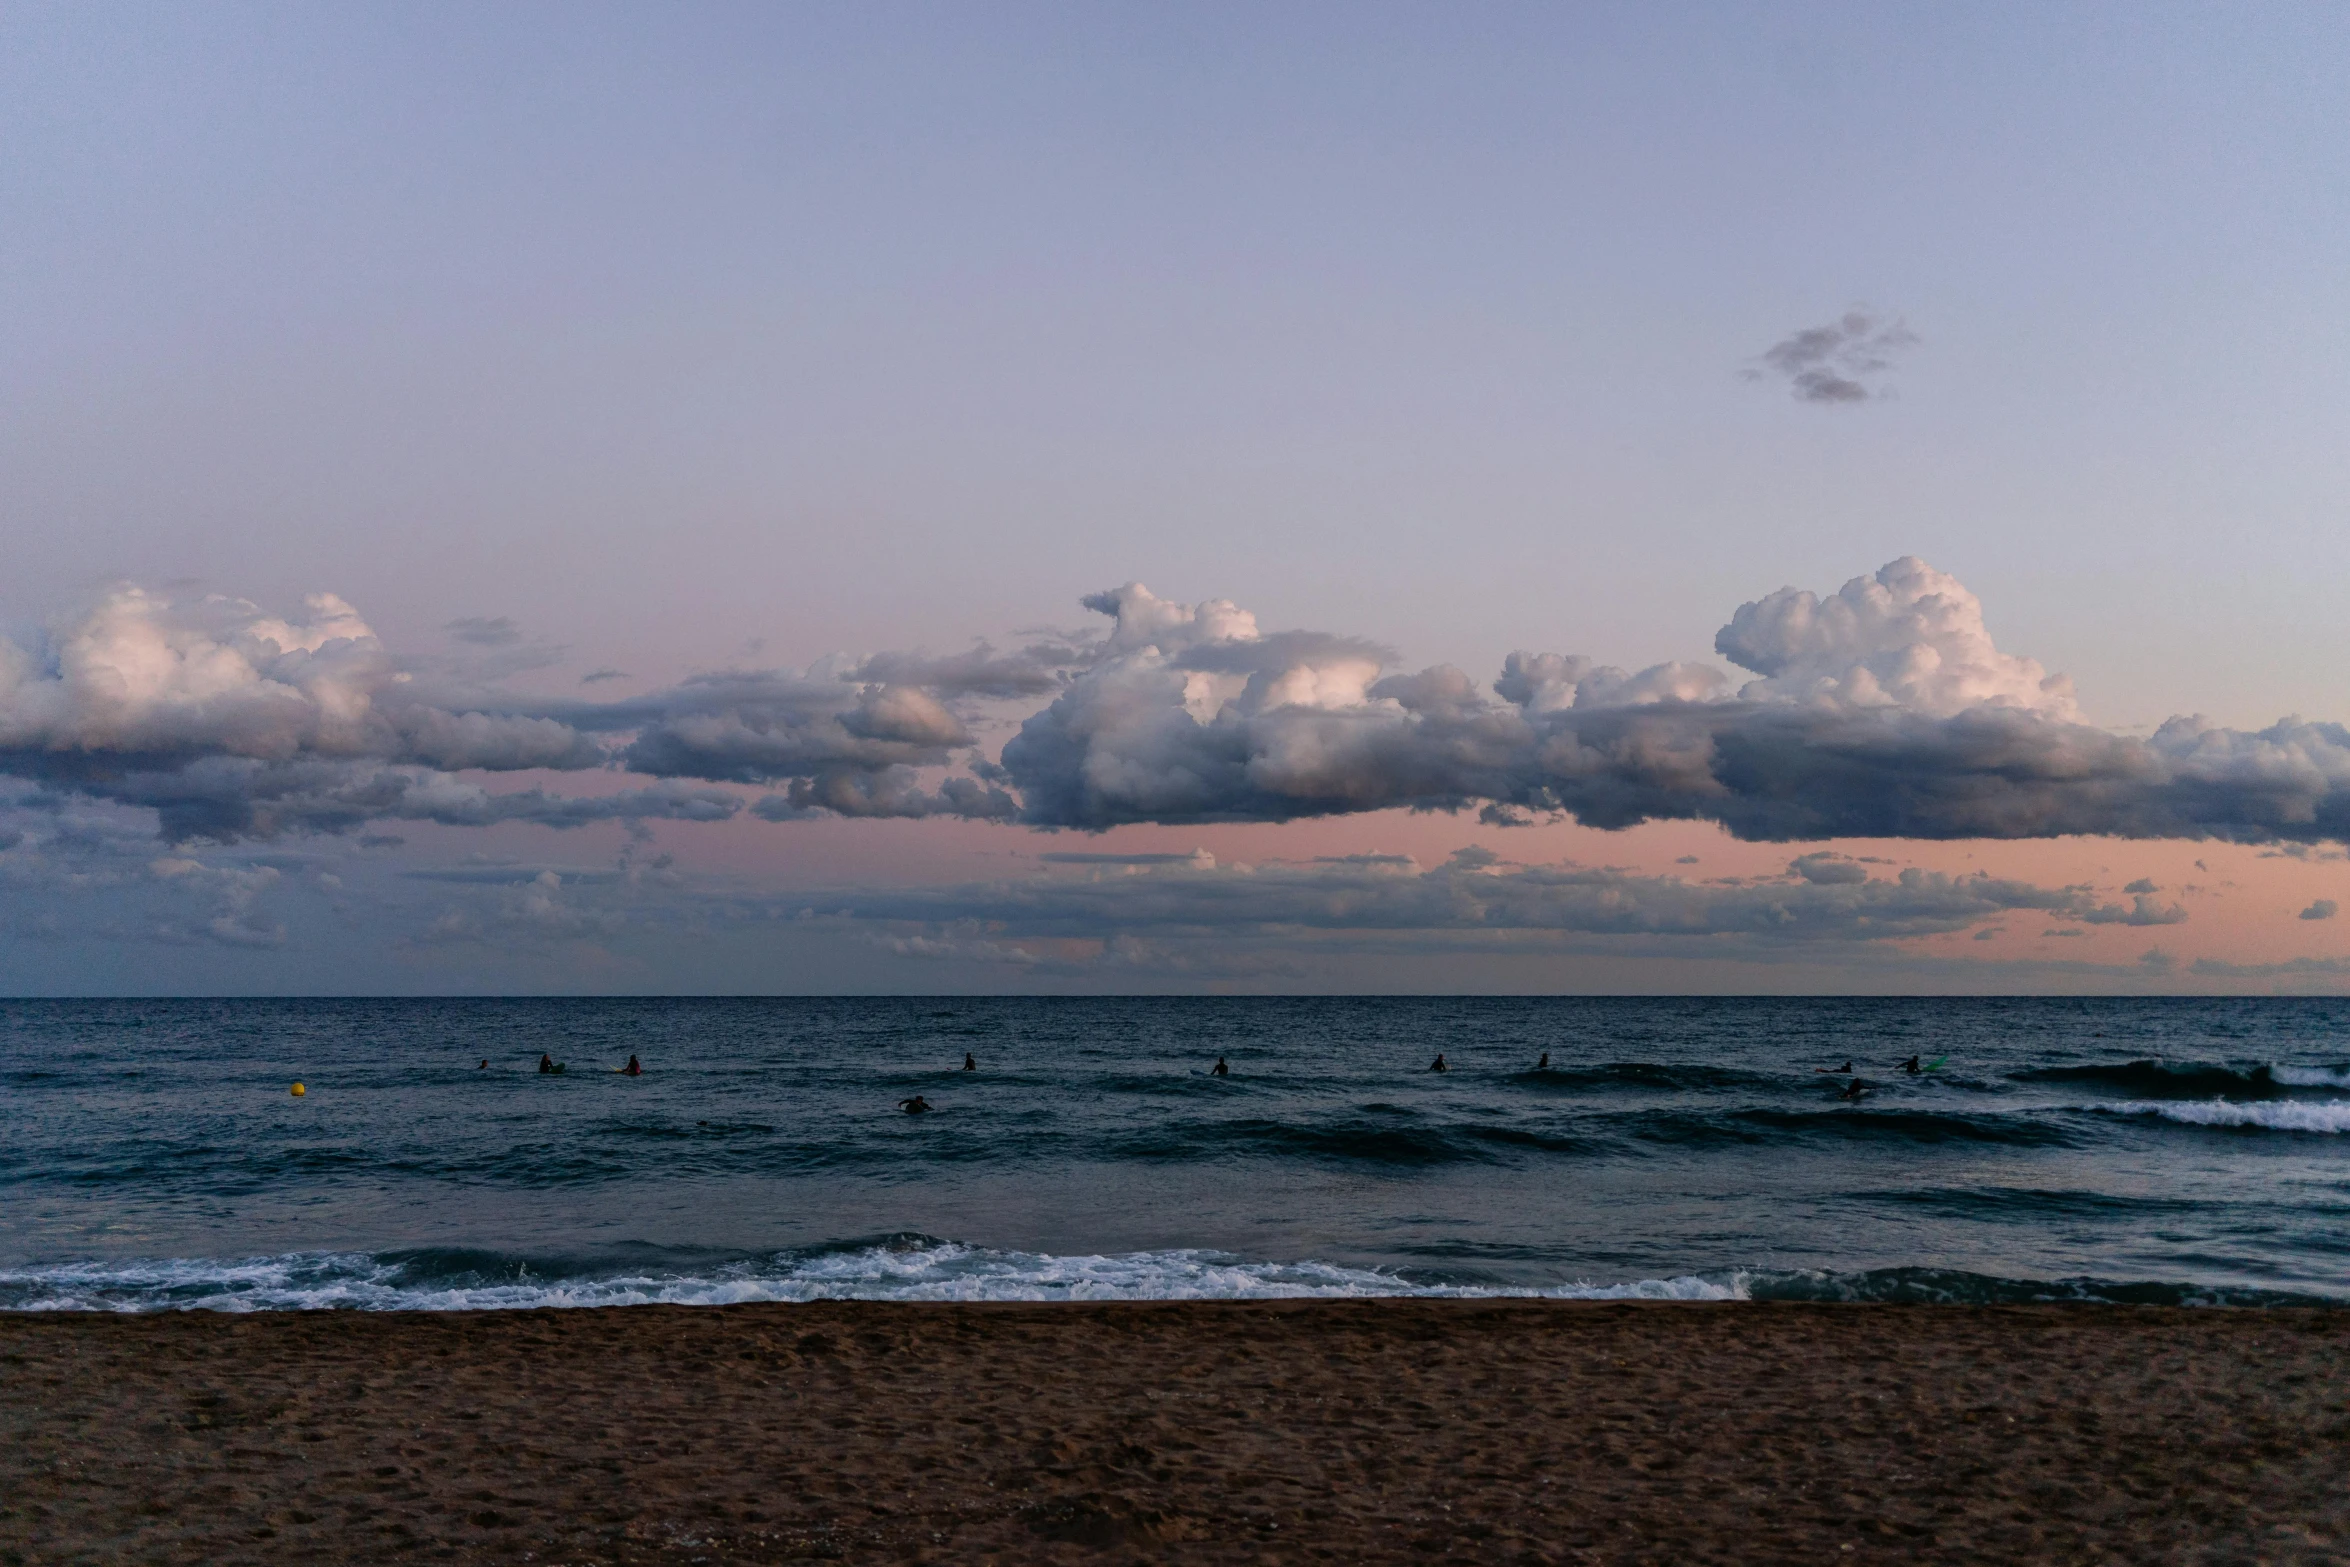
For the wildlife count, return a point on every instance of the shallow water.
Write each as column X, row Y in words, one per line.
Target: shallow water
column 151, row 1154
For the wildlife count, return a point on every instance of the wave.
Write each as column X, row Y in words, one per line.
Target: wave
column 2152, row 1079
column 1862, row 1123
column 1954, row 1287
column 897, row 1268
column 2276, row 1115
column 923, row 1268
column 1625, row 1076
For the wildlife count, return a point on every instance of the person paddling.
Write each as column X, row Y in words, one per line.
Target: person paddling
column 1911, row 1066
column 914, row 1106
column 1834, row 1071
column 1858, row 1090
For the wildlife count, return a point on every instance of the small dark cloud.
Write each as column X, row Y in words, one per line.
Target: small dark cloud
column 1686, row 859
column 597, row 676
column 2142, row 884
column 485, row 630
column 2322, row 909
column 1835, row 362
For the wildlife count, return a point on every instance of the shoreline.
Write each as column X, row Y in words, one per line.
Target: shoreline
column 1497, row 1429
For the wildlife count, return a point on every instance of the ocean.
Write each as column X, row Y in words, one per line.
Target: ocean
column 153, row 1156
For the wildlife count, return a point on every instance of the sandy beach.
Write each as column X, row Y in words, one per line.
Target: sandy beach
column 1373, row 1430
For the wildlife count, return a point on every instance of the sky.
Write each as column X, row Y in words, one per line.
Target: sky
column 1006, row 498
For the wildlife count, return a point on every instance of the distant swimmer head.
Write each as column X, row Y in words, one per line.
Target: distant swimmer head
column 485, row 1065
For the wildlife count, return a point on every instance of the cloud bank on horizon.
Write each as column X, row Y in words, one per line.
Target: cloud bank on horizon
column 1883, row 710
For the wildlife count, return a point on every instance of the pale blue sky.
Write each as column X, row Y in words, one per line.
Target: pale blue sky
column 694, row 336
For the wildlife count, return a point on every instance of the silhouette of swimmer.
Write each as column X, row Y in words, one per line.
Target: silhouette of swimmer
column 485, row 1065
column 1833, row 1071
column 970, row 1062
column 632, row 1069
column 1543, row 1065
column 1911, row 1066
column 1438, row 1065
column 547, row 1064
column 914, row 1106
column 1219, row 1069
column 1858, row 1090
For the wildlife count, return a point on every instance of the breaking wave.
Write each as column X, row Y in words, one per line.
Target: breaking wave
column 2276, row 1115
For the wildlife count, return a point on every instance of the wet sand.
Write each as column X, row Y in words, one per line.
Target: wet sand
column 1231, row 1432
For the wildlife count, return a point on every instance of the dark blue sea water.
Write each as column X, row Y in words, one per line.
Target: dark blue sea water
column 151, row 1154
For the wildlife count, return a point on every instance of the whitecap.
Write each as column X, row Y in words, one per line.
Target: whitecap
column 2280, row 1115
column 940, row 1271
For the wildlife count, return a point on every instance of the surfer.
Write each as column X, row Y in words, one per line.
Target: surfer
column 970, row 1062
column 485, row 1065
column 1858, row 1090
column 1219, row 1069
column 1438, row 1065
column 1911, row 1066
column 1543, row 1065
column 632, row 1069
column 547, row 1063
column 1834, row 1071
column 914, row 1106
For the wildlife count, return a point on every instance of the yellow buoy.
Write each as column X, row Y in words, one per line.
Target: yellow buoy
column 299, row 1090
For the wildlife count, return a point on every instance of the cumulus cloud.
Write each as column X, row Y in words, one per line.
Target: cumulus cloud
column 1835, row 362
column 2321, row 909
column 1883, row 710
column 232, row 723
column 1910, row 638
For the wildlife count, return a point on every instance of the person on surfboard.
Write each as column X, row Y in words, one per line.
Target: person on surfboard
column 970, row 1062
column 1858, row 1090
column 1219, row 1069
column 914, row 1106
column 632, row 1069
column 1438, row 1065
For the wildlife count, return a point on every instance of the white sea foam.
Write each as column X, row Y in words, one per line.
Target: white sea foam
column 942, row 1271
column 2311, row 1076
column 2281, row 1115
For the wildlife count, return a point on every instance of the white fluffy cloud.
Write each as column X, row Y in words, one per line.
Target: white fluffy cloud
column 1909, row 637
column 1882, row 710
